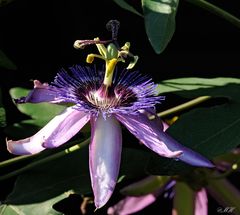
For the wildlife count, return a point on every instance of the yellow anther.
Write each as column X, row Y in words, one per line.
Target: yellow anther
column 110, row 54
column 132, row 63
column 78, row 44
column 126, row 46
column 234, row 166
column 91, row 57
column 101, row 48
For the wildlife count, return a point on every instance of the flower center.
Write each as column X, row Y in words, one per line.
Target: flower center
column 104, row 100
column 100, row 102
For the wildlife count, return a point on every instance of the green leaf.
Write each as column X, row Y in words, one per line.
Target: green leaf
column 41, row 187
column 24, row 128
column 158, row 165
column 211, row 131
column 159, row 17
column 2, row 112
column 131, row 162
column 123, row 4
column 217, row 11
column 2, row 117
column 36, row 209
column 5, row 62
column 181, row 85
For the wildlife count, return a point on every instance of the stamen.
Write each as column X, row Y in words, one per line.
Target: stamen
column 81, row 44
column 91, row 57
column 111, row 54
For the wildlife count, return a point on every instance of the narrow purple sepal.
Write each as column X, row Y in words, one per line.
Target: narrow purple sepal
column 41, row 93
column 147, row 132
column 159, row 141
column 189, row 156
column 58, row 131
column 68, row 124
column 104, row 157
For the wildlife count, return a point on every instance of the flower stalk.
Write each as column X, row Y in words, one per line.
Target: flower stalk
column 217, row 11
column 183, row 203
column 184, row 106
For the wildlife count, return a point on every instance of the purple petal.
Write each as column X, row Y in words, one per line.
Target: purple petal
column 59, row 130
column 151, row 114
column 41, row 93
column 159, row 141
column 131, row 204
column 188, row 156
column 147, row 132
column 105, row 155
column 201, row 203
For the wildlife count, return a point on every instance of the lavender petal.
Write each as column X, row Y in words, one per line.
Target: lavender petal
column 105, row 155
column 201, row 202
column 59, row 130
column 41, row 93
column 146, row 131
column 159, row 141
column 131, row 204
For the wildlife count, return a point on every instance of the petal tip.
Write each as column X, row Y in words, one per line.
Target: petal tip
column 196, row 159
column 99, row 204
column 209, row 164
column 8, row 143
column 101, row 200
column 13, row 148
column 22, row 147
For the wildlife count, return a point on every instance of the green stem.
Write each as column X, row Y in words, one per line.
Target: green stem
column 184, row 199
column 217, row 11
column 46, row 159
column 184, row 106
column 15, row 160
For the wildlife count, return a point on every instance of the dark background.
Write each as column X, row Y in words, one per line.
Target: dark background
column 38, row 37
